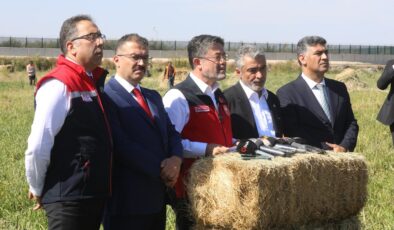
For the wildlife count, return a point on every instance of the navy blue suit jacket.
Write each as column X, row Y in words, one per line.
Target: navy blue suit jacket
column 140, row 145
column 304, row 117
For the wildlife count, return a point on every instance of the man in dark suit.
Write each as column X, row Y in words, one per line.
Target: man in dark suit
column 147, row 148
column 316, row 108
column 386, row 113
column 255, row 111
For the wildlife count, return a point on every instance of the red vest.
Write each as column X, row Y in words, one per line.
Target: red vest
column 81, row 157
column 205, row 124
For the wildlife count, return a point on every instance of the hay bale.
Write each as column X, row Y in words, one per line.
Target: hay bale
column 350, row 77
column 227, row 192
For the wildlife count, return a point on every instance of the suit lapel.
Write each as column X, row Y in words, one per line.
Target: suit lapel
column 123, row 94
column 310, row 100
column 246, row 108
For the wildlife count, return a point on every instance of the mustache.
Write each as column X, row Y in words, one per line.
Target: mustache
column 140, row 68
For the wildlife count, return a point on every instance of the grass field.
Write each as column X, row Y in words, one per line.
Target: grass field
column 16, row 114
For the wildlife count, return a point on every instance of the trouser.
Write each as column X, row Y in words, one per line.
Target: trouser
column 32, row 79
column 155, row 221
column 184, row 218
column 75, row 215
column 171, row 81
column 392, row 132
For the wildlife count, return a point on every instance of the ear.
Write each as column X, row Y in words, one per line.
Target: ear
column 302, row 59
column 71, row 49
column 196, row 62
column 115, row 59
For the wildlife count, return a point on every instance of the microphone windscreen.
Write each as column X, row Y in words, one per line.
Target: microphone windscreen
column 247, row 147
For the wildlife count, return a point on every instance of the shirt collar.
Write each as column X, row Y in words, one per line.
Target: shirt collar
column 310, row 82
column 89, row 73
column 249, row 92
column 126, row 85
column 202, row 85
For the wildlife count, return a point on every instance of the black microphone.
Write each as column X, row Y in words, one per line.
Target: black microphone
column 248, row 146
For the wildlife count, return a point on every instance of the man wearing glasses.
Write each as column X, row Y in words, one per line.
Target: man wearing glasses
column 147, row 148
column 68, row 158
column 199, row 112
column 255, row 111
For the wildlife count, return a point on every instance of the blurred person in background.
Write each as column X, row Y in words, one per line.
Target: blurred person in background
column 31, row 73
column 169, row 74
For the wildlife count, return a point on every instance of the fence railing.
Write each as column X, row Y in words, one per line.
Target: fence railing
column 20, row 42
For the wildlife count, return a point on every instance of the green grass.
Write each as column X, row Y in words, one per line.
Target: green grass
column 16, row 114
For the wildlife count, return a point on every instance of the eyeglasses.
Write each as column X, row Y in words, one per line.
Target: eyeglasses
column 134, row 57
column 216, row 59
column 91, row 37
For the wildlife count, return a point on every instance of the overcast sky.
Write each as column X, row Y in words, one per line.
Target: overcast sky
column 279, row 21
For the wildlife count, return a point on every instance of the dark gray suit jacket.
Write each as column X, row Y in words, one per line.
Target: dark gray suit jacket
column 242, row 119
column 386, row 113
column 304, row 117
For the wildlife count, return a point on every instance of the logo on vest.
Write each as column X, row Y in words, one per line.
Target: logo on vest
column 86, row 97
column 201, row 108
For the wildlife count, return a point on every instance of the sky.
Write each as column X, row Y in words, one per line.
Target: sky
column 277, row 21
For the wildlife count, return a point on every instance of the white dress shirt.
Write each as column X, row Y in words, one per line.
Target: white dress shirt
column 52, row 105
column 312, row 85
column 127, row 86
column 177, row 108
column 261, row 111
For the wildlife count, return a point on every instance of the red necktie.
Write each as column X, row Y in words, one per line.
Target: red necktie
column 140, row 99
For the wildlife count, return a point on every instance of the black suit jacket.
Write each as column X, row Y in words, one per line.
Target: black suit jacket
column 386, row 113
column 304, row 117
column 242, row 119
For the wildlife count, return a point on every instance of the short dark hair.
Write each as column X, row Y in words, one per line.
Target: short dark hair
column 69, row 30
column 131, row 38
column 200, row 44
column 308, row 41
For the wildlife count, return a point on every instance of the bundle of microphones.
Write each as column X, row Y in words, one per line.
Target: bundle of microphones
column 270, row 147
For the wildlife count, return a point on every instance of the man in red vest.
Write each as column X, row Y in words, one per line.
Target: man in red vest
column 200, row 113
column 69, row 154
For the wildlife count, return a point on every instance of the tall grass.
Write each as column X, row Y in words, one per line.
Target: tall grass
column 16, row 114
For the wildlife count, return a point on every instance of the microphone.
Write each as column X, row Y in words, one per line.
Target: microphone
column 272, row 151
column 248, row 146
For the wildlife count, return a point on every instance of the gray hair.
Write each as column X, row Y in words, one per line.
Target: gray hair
column 248, row 51
column 308, row 41
column 199, row 46
column 131, row 38
column 69, row 30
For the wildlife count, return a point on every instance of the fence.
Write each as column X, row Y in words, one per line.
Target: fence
column 18, row 42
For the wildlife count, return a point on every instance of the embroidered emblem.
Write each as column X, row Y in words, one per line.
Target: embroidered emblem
column 201, row 108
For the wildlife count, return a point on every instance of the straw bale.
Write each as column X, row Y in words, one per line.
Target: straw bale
column 227, row 192
column 350, row 77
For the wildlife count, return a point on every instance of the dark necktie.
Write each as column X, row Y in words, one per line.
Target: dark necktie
column 141, row 101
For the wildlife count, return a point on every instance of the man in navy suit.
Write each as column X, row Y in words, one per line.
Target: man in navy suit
column 317, row 108
column 255, row 111
column 147, row 148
